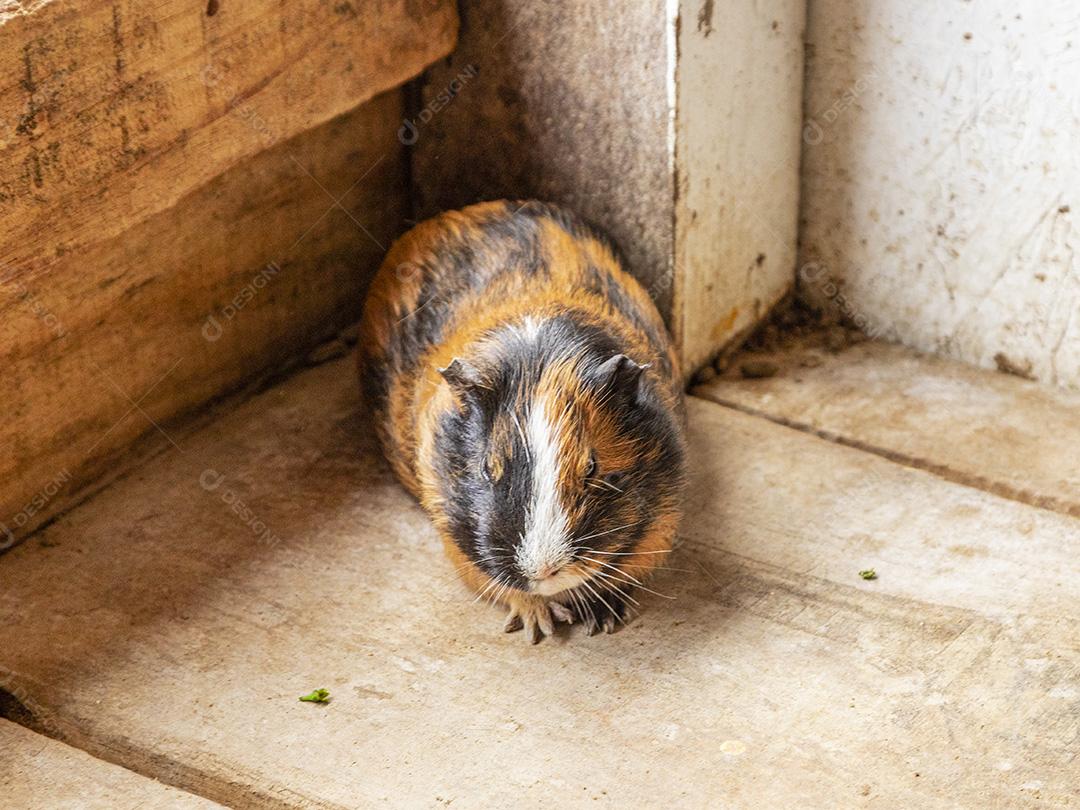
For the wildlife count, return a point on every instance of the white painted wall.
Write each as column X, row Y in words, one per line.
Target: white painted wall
column 941, row 175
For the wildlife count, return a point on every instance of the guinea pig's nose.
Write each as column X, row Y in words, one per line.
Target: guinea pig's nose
column 545, row 571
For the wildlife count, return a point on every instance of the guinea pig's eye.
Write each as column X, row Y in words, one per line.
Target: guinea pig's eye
column 590, row 466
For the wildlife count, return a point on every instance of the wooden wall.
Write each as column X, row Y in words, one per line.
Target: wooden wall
column 188, row 199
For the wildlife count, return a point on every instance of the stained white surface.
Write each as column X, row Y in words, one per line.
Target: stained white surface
column 739, row 103
column 941, row 181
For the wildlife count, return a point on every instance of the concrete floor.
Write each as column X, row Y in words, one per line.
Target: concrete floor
column 169, row 624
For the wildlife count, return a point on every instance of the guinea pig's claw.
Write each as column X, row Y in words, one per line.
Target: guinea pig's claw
column 561, row 612
column 533, row 632
column 605, row 623
column 605, row 615
column 537, row 617
column 513, row 622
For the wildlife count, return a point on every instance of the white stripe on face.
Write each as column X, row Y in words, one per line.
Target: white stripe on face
column 545, row 543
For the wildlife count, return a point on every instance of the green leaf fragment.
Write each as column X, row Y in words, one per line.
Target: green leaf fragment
column 869, row 573
column 318, row 696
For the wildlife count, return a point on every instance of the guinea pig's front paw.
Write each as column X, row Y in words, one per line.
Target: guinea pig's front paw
column 537, row 615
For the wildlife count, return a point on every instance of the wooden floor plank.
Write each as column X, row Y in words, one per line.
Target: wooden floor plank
column 995, row 431
column 171, row 623
column 37, row 772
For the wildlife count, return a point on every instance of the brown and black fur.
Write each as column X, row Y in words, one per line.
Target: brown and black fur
column 502, row 339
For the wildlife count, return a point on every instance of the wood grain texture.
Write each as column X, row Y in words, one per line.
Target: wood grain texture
column 284, row 558
column 994, row 431
column 113, row 111
column 240, row 275
column 36, row 771
column 171, row 222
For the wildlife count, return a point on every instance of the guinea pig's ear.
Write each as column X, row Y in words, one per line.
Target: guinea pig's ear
column 464, row 381
column 622, row 376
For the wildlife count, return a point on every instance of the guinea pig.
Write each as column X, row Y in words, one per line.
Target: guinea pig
column 525, row 391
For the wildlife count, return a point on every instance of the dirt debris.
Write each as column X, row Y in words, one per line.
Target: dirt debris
column 758, row 369
column 795, row 335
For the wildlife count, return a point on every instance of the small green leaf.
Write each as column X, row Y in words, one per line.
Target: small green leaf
column 869, row 573
column 318, row 696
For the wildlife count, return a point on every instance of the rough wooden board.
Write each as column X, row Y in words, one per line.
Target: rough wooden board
column 37, row 772
column 995, row 431
column 737, row 160
column 114, row 111
column 149, row 317
column 180, row 640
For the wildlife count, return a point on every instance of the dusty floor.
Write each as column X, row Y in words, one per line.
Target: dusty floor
column 169, row 624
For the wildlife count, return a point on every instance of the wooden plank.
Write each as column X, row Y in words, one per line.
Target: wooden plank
column 238, row 277
column 114, row 111
column 993, row 431
column 737, row 162
column 283, row 557
column 38, row 772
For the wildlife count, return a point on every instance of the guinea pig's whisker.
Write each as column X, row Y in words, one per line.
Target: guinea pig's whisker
column 472, row 563
column 506, row 588
column 497, row 597
column 630, row 553
column 612, row 567
column 479, row 596
column 609, row 531
column 632, row 581
column 491, row 557
column 603, row 601
column 656, row 593
column 492, row 583
column 607, row 578
column 619, row 592
column 586, row 605
column 579, row 603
